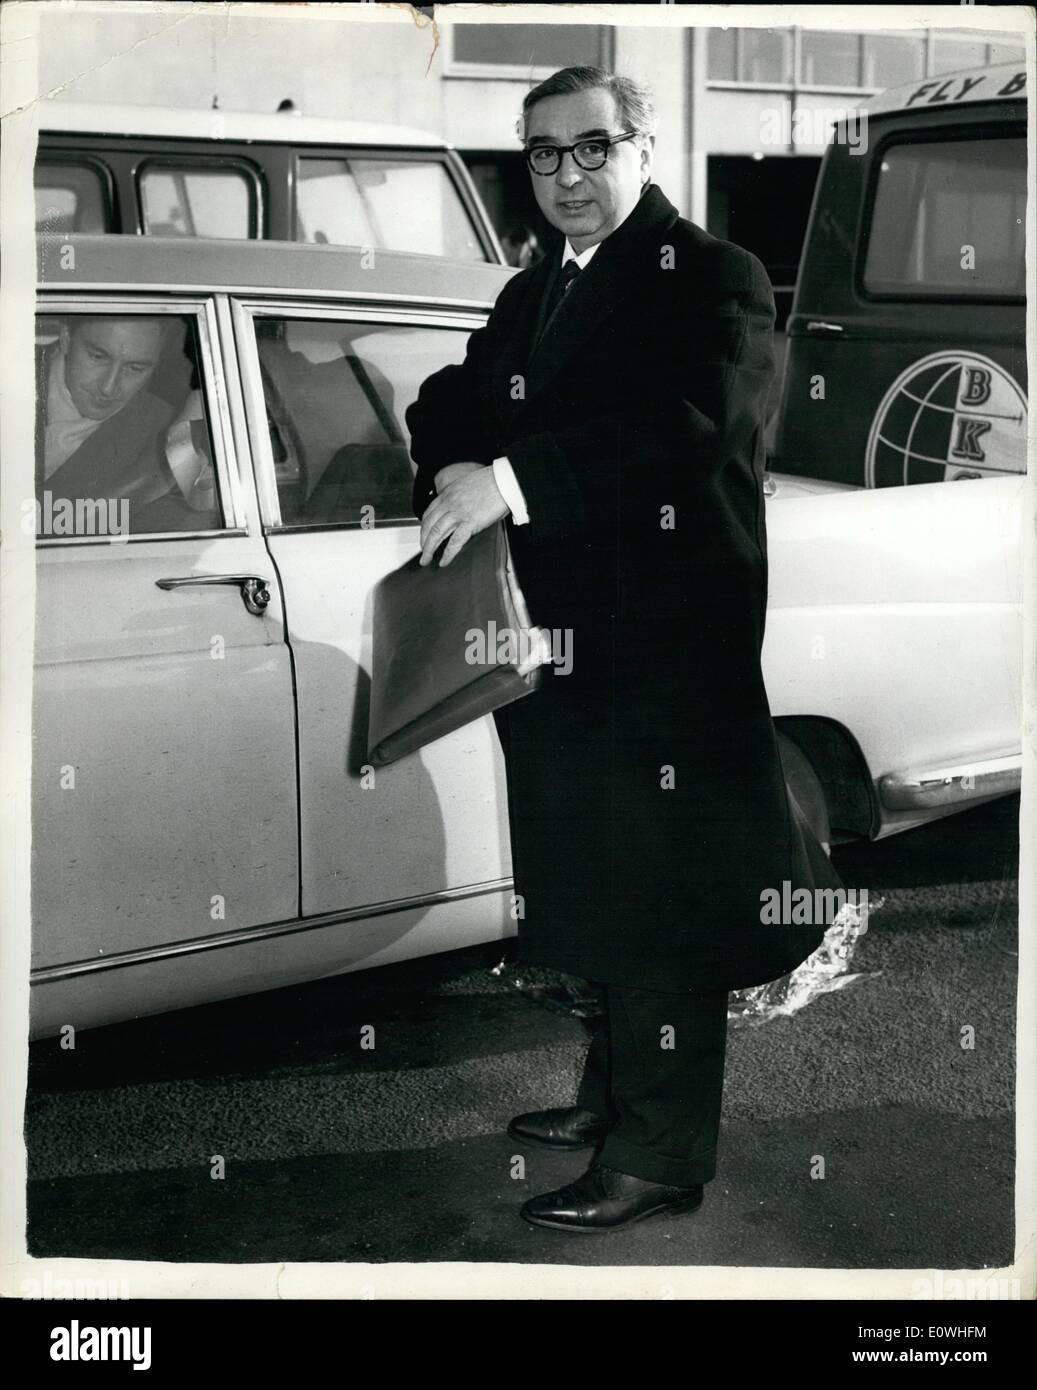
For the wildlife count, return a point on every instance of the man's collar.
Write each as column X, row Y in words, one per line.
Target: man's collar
column 583, row 259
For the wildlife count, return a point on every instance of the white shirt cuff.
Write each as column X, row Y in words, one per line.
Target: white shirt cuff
column 507, row 484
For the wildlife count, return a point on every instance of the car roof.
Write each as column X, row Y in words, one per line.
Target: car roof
column 266, row 127
column 197, row 264
column 984, row 84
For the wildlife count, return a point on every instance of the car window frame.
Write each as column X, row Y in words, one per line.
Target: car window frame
column 449, row 159
column 78, row 159
column 204, row 310
column 440, row 314
column 190, row 162
column 952, row 132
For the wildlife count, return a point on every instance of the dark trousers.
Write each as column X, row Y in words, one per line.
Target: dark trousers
column 655, row 1068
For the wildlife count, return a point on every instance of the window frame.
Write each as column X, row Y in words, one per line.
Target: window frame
column 797, row 85
column 189, row 163
column 203, row 309
column 76, row 158
column 400, row 154
column 517, row 72
column 244, row 312
column 948, row 134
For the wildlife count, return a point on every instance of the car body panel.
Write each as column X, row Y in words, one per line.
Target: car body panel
column 249, row 780
column 922, row 582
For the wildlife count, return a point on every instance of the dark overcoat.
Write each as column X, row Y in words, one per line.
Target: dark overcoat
column 648, row 810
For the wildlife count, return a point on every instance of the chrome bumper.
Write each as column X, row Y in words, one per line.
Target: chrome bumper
column 948, row 786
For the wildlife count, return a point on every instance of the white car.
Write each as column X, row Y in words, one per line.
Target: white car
column 204, row 821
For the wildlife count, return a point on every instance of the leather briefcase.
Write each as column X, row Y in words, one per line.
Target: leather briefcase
column 449, row 646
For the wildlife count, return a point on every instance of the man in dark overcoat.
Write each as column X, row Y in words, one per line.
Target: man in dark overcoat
column 614, row 414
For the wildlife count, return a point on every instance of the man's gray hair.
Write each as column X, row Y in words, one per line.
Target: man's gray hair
column 633, row 100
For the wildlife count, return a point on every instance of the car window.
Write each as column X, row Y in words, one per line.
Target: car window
column 192, row 201
column 123, row 443
column 397, row 204
column 69, row 198
column 933, row 201
column 336, row 395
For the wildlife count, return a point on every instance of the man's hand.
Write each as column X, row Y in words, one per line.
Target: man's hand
column 468, row 503
column 454, row 470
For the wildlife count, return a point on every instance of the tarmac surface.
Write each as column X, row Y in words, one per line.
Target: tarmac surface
column 334, row 1152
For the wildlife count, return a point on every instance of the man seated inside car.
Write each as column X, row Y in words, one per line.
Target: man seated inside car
column 102, row 434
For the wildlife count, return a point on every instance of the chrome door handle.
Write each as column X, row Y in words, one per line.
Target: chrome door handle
column 255, row 592
column 821, row 327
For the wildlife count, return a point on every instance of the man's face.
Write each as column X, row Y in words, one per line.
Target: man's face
column 107, row 361
column 587, row 205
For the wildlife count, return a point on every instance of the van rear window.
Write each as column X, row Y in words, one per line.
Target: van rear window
column 949, row 220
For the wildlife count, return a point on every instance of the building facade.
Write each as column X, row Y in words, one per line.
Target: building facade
column 743, row 112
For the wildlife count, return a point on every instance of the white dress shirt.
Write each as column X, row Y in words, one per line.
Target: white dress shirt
column 503, row 473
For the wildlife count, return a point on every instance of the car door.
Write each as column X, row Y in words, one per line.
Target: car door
column 327, row 391
column 164, row 796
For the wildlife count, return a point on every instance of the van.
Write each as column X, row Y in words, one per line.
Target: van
column 906, row 356
column 287, row 177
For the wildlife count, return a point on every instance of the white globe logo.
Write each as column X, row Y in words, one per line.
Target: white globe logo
column 949, row 415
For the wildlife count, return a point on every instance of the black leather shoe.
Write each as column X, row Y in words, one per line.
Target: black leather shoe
column 568, row 1128
column 604, row 1199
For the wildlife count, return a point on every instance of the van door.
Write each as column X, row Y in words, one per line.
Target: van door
column 907, row 357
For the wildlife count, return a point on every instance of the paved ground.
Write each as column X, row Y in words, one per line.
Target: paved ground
column 338, row 1153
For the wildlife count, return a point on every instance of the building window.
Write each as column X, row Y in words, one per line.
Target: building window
column 951, row 54
column 1006, row 53
column 524, row 52
column 830, row 59
column 766, row 56
column 723, row 55
column 838, row 60
column 891, row 59
column 758, row 57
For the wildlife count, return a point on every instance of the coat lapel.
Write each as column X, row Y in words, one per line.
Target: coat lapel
column 520, row 335
column 613, row 275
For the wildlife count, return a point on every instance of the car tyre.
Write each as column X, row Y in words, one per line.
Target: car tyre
column 807, row 788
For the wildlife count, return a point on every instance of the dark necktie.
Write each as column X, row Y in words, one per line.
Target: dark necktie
column 561, row 286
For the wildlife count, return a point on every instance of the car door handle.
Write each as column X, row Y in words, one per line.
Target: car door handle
column 255, row 592
column 822, row 328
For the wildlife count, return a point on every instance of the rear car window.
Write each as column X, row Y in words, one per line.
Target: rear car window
column 395, row 204
column 948, row 219
column 69, row 198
